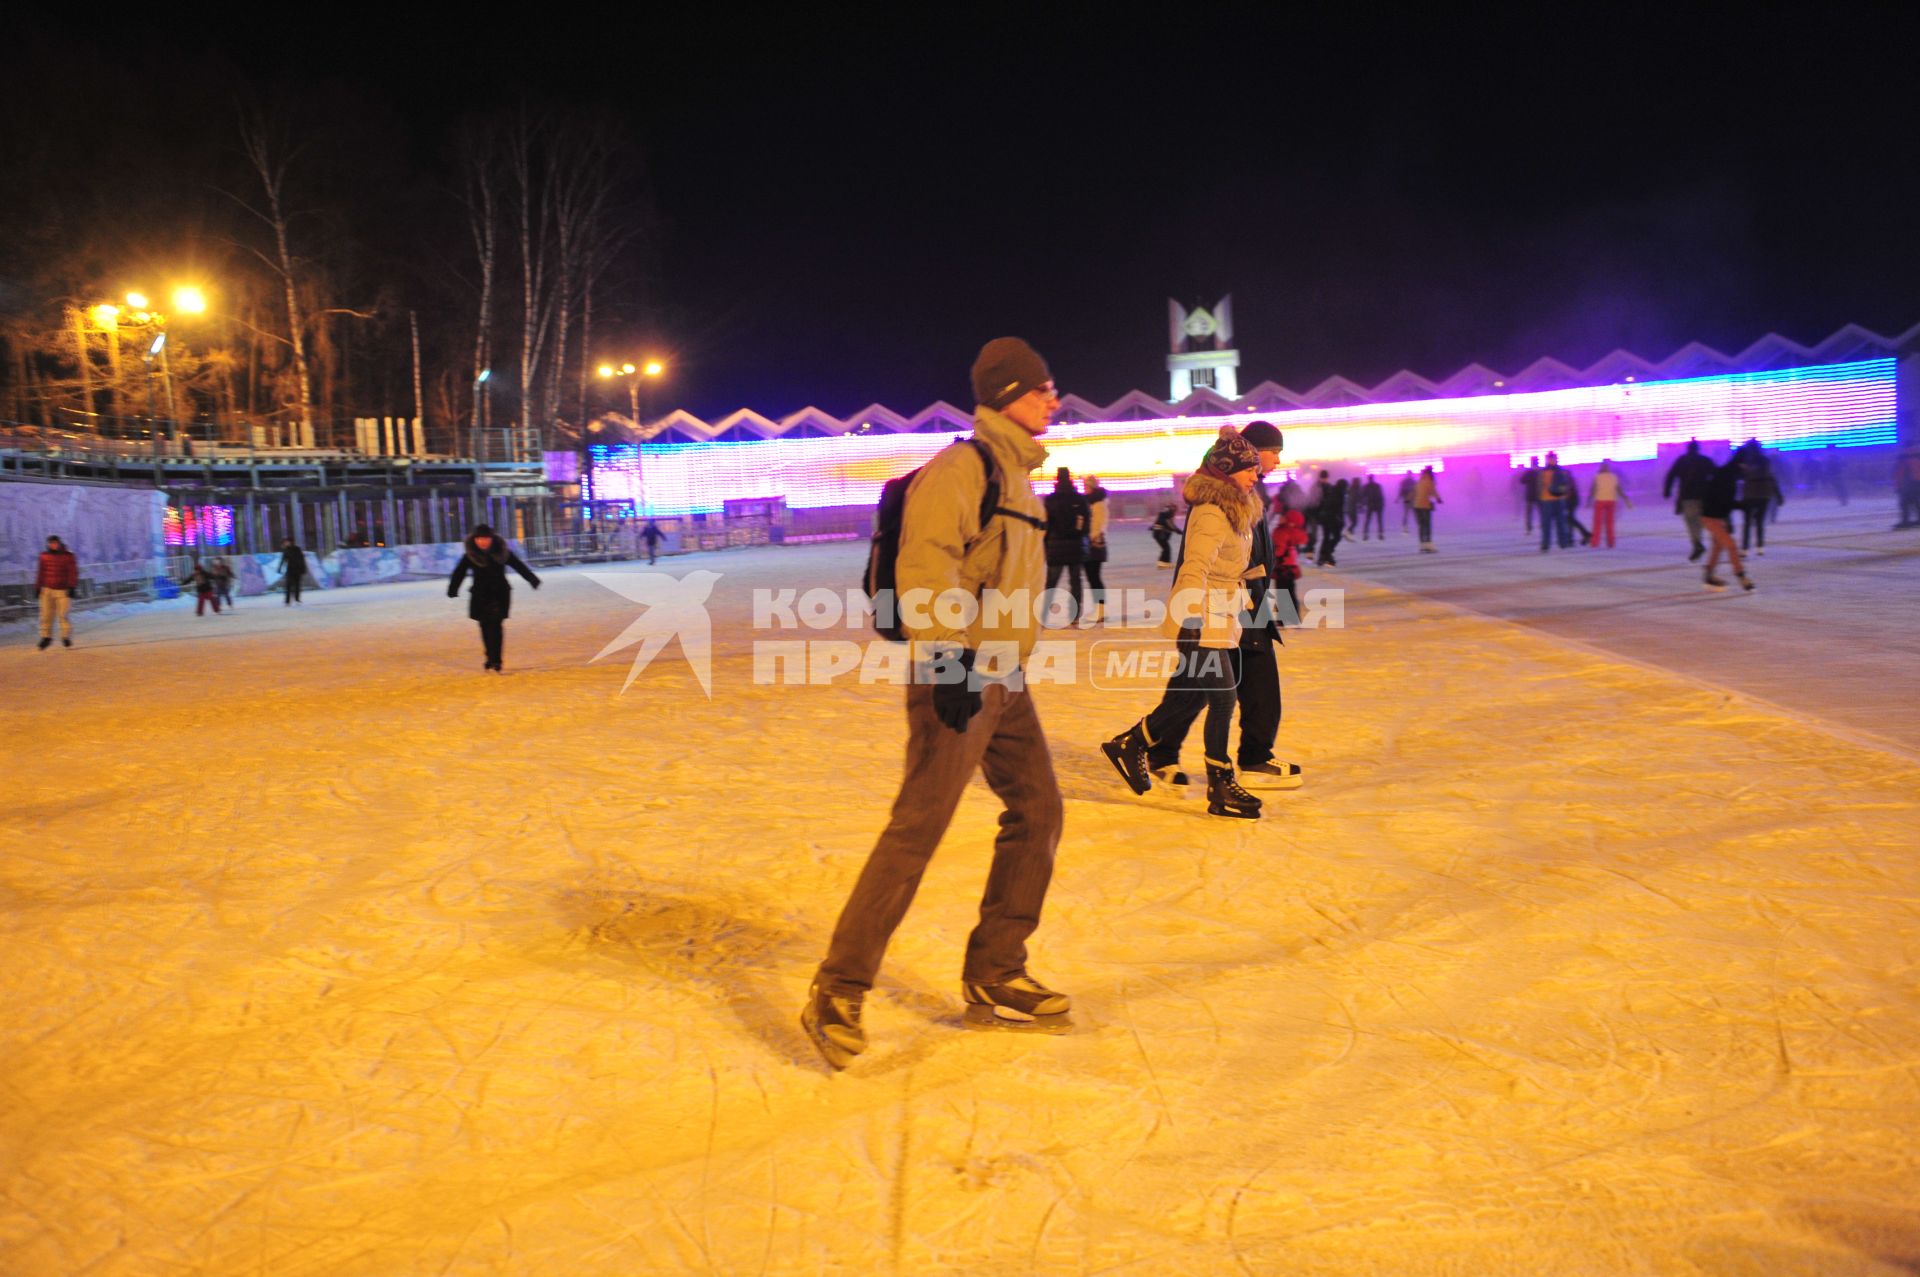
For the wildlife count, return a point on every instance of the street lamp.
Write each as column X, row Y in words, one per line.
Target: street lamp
column 651, row 370
column 139, row 313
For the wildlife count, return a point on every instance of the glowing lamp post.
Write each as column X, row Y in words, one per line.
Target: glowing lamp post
column 651, row 370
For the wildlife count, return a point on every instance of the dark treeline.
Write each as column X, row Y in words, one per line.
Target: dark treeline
column 331, row 242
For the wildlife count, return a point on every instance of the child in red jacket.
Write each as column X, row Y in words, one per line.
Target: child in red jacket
column 1288, row 539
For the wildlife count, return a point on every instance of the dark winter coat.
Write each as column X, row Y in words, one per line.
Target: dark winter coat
column 1721, row 492
column 1758, row 484
column 293, row 562
column 1262, row 575
column 58, row 570
column 1068, row 518
column 1332, row 510
column 1689, row 474
column 1373, row 497
column 491, row 598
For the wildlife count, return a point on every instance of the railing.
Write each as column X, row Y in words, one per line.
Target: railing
column 128, row 581
column 513, row 446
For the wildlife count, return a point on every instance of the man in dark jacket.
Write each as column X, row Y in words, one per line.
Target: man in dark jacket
column 293, row 567
column 491, row 599
column 1068, row 519
column 55, row 578
column 1333, row 520
column 1689, row 474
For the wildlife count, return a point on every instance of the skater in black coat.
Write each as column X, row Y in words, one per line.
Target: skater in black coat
column 1333, row 521
column 1069, row 518
column 491, row 598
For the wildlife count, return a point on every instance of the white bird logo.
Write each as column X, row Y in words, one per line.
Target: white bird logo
column 675, row 608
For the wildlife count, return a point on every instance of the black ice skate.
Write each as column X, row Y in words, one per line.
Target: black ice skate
column 45, row 643
column 1128, row 754
column 1226, row 798
column 1021, row 1004
column 1174, row 778
column 1744, row 583
column 834, row 1025
column 1272, row 776
column 1713, row 582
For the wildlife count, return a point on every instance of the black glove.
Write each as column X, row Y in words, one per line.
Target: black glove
column 453, row 591
column 955, row 698
column 535, row 583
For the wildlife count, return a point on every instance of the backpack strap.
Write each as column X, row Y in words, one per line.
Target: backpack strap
column 990, row 499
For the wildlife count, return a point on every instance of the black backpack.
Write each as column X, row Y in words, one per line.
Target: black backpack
column 883, row 551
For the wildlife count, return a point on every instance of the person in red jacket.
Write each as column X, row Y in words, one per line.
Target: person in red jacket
column 54, row 583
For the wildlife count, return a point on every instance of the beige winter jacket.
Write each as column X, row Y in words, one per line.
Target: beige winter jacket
column 1210, row 585
column 950, row 570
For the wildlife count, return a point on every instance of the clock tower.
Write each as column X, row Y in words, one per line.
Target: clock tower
column 1202, row 355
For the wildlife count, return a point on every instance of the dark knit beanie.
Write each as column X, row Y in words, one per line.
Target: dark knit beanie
column 1229, row 454
column 482, row 530
column 1263, row 435
column 1006, row 369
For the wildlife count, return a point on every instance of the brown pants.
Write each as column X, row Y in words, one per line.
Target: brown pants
column 1721, row 537
column 1003, row 741
column 53, row 611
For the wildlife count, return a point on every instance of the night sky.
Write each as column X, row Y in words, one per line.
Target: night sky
column 842, row 212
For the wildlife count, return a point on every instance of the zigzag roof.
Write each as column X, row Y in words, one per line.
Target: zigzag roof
column 1695, row 359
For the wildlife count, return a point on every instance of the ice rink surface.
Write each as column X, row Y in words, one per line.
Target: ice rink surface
column 326, row 953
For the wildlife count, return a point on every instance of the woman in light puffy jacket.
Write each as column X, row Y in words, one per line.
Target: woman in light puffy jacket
column 1203, row 617
column 1096, row 548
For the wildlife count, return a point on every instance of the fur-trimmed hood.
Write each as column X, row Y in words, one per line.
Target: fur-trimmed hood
column 1241, row 508
column 495, row 553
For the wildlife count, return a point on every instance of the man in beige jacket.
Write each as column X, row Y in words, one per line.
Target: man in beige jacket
column 969, row 596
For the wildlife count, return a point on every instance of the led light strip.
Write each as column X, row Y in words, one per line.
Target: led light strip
column 1788, row 409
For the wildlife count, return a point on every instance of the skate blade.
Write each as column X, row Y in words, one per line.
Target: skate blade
column 830, row 1051
column 1007, row 1020
column 1255, row 781
column 1113, row 753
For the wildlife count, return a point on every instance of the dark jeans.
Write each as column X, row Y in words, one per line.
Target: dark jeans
column 1004, row 742
column 1532, row 505
column 1165, row 541
column 493, row 635
column 293, row 588
column 1257, row 691
column 1554, row 524
column 1204, row 681
column 1425, row 519
column 1096, row 588
column 1073, row 584
column 1329, row 538
column 1753, row 523
column 1376, row 519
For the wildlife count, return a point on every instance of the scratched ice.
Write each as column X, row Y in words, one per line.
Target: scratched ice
column 325, row 953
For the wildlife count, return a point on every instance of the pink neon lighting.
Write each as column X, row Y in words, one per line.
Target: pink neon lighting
column 198, row 525
column 1786, row 409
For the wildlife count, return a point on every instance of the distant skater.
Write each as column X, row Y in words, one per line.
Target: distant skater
column 1716, row 515
column 200, row 578
column 1687, row 484
column 1906, row 482
column 1098, row 514
column 1405, row 498
column 1163, row 530
column 1759, row 493
column 222, row 580
column 293, row 566
column 1530, row 489
column 490, row 601
column 1373, row 508
column 1333, row 507
column 1068, row 516
column 652, row 535
column 56, row 576
column 1426, row 495
column 1606, row 497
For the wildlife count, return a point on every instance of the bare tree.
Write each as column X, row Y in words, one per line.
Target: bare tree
column 269, row 154
column 479, row 151
column 528, row 137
